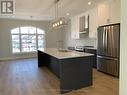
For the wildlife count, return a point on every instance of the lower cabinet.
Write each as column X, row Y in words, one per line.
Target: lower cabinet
column 94, row 60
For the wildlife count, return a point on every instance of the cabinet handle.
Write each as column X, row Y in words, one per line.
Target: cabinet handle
column 107, row 58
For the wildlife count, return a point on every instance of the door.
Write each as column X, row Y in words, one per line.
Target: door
column 101, row 41
column 112, row 41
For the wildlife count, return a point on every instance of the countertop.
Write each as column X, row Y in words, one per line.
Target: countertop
column 63, row 55
column 74, row 47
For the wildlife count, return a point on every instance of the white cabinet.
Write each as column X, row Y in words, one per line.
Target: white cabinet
column 93, row 23
column 75, row 27
column 103, row 13
column 115, row 11
column 79, row 26
column 106, row 12
column 109, row 12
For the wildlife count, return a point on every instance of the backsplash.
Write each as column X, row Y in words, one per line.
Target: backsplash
column 81, row 42
column 68, row 41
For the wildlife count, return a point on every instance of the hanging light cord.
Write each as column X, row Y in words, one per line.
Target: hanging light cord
column 31, row 20
column 57, row 22
column 57, row 8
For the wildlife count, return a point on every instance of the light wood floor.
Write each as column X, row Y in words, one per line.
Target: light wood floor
column 23, row 77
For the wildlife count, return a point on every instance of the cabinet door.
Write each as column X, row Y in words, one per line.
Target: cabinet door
column 109, row 12
column 101, row 41
column 75, row 27
column 103, row 13
column 93, row 23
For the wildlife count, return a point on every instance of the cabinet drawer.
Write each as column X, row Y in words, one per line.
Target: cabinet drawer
column 93, row 51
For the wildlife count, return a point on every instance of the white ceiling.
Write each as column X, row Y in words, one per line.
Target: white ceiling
column 45, row 9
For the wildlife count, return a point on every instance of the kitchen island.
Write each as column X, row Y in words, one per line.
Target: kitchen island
column 74, row 69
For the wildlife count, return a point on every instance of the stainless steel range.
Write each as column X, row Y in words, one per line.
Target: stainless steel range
column 89, row 49
column 82, row 48
column 79, row 48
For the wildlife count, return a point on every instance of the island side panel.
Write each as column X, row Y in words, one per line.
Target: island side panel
column 75, row 73
column 43, row 59
column 49, row 61
column 54, row 66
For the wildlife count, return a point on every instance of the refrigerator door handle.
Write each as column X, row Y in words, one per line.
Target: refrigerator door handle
column 104, row 38
column 107, row 57
column 112, row 40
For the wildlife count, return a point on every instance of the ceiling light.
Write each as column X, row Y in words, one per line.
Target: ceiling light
column 89, row 3
column 58, row 21
column 67, row 14
column 53, row 25
column 61, row 22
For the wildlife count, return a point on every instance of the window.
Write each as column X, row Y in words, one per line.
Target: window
column 27, row 39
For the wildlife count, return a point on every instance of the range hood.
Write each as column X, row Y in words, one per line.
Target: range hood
column 84, row 24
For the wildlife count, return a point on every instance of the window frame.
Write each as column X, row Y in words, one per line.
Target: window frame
column 20, row 39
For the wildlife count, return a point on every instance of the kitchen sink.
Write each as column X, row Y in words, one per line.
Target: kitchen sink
column 64, row 50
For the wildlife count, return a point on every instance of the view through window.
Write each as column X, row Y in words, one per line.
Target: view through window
column 27, row 39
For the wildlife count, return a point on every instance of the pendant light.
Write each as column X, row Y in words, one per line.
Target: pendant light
column 58, row 21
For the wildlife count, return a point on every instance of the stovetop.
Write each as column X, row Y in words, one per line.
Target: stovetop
column 82, row 48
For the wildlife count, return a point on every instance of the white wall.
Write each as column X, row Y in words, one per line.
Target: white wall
column 123, row 49
column 60, row 36
column 5, row 43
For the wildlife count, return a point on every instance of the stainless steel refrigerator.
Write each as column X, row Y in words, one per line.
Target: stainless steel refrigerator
column 108, row 49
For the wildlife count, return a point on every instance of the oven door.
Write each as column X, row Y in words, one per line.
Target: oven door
column 80, row 49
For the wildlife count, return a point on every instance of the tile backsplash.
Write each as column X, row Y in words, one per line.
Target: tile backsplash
column 81, row 42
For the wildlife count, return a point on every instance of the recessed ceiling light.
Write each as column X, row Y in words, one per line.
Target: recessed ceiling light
column 89, row 3
column 67, row 14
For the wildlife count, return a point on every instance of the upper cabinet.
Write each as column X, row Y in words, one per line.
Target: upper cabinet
column 106, row 12
column 79, row 26
column 109, row 12
column 103, row 13
column 75, row 27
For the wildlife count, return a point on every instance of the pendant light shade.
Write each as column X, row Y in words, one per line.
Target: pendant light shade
column 58, row 21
